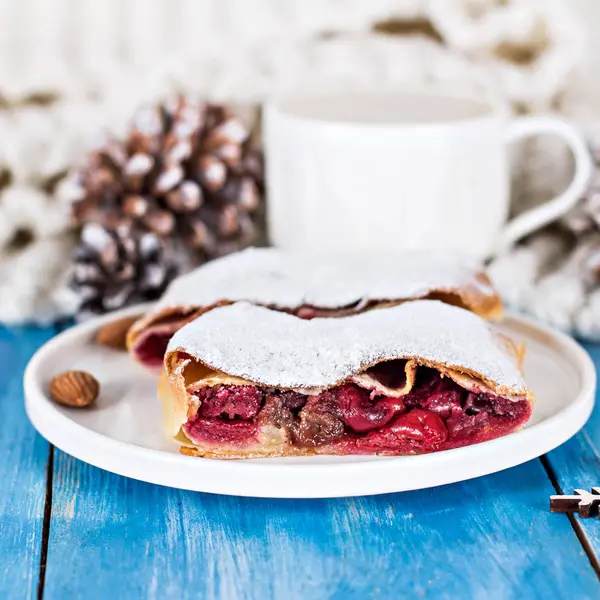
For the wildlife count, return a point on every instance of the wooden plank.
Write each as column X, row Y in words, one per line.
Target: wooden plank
column 576, row 464
column 488, row 538
column 22, row 469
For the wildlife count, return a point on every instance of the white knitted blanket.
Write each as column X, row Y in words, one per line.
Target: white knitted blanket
column 71, row 68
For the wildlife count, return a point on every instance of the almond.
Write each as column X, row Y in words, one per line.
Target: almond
column 113, row 334
column 74, row 388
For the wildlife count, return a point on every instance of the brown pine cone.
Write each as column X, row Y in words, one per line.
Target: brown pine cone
column 185, row 170
column 117, row 267
column 184, row 181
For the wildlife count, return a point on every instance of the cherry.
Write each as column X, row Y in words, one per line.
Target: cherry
column 150, row 349
column 360, row 414
column 445, row 403
column 424, row 429
column 221, row 431
column 242, row 401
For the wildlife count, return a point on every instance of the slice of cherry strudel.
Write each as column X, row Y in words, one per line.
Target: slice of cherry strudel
column 310, row 286
column 244, row 381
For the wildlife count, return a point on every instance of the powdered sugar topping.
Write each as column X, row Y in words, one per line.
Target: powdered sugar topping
column 272, row 277
column 277, row 349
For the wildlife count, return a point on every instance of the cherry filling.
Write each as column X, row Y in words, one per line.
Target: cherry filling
column 222, row 431
column 150, row 346
column 243, row 401
column 437, row 414
column 150, row 350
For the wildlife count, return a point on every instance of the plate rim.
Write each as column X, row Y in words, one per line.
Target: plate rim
column 49, row 421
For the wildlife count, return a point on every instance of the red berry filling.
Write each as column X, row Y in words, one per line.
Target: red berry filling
column 437, row 414
column 150, row 350
column 417, row 429
column 150, row 346
column 230, row 401
column 222, row 432
column 360, row 413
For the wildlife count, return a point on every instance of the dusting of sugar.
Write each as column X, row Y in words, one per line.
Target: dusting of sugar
column 277, row 349
column 272, row 277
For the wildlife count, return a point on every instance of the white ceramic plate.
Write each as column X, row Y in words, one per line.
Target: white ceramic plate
column 123, row 432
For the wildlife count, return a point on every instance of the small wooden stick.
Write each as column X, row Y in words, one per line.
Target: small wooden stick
column 585, row 503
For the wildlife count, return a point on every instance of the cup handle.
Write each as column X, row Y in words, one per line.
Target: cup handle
column 540, row 216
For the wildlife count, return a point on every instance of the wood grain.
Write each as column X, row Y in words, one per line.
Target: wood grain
column 488, row 538
column 576, row 464
column 22, row 469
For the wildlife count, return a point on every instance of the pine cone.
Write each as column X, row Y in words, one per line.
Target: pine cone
column 185, row 170
column 187, row 173
column 116, row 267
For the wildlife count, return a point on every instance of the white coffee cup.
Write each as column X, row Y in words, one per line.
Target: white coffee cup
column 402, row 171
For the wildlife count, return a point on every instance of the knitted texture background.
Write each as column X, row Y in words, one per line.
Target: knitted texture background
column 70, row 69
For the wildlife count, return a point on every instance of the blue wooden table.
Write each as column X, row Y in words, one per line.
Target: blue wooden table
column 69, row 530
